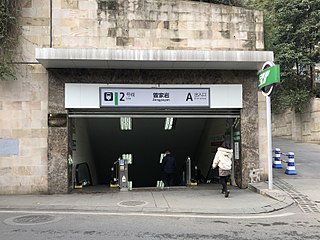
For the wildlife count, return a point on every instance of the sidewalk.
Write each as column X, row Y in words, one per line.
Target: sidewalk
column 203, row 199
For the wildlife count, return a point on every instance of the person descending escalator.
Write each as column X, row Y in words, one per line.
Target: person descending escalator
column 223, row 159
column 168, row 168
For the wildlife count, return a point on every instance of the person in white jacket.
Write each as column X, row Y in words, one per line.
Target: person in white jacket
column 223, row 159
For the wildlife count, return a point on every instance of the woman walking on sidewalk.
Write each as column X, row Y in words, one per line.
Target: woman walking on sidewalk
column 222, row 159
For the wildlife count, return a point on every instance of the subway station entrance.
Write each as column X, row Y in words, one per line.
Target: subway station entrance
column 141, row 135
column 100, row 142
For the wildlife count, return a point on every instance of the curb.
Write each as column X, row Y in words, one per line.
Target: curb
column 284, row 200
column 191, row 212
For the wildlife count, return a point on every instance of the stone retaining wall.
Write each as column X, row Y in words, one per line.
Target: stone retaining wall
column 300, row 127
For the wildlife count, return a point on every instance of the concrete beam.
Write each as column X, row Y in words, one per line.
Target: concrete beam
column 151, row 59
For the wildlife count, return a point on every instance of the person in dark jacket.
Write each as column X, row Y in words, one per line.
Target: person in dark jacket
column 168, row 169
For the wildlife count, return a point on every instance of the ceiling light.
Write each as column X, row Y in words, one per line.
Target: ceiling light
column 125, row 123
column 128, row 157
column 168, row 125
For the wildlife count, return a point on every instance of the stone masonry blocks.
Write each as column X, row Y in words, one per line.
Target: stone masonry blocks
column 146, row 16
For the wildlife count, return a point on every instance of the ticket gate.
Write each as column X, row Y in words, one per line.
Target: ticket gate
column 123, row 175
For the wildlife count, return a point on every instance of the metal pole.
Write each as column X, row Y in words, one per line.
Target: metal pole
column 269, row 134
column 188, row 172
column 233, row 181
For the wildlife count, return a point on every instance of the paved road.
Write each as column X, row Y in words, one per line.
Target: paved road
column 288, row 224
column 307, row 164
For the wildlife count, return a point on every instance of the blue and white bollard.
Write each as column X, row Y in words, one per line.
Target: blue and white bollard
column 291, row 169
column 277, row 159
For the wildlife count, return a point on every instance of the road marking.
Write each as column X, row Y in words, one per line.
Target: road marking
column 151, row 214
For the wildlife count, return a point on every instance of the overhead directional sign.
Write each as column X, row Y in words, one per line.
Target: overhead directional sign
column 154, row 97
column 269, row 76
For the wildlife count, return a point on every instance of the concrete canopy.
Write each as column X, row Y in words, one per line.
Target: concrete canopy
column 151, row 59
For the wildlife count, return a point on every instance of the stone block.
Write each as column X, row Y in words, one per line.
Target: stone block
column 26, row 4
column 70, row 4
column 22, row 171
column 68, row 13
column 169, row 34
column 178, row 43
column 88, row 5
column 260, row 42
column 7, row 161
column 6, row 171
column 227, row 18
column 69, row 23
column 198, row 26
column 137, row 33
column 223, row 44
column 124, row 41
column 187, row 34
column 315, row 117
column 40, row 4
column 21, row 133
column 246, row 27
column 236, row 18
column 28, row 12
column 40, row 185
column 36, row 32
column 15, row 105
column 163, row 16
column 21, row 188
column 37, row 123
column 199, row 43
column 44, row 104
column 142, row 43
column 5, row 124
column 183, row 6
column 315, row 127
column 258, row 15
column 154, row 15
column 159, row 43
column 44, row 41
column 106, row 42
column 85, row 15
column 92, row 26
column 216, row 18
column 40, row 172
column 39, row 133
column 315, row 104
column 241, row 35
column 34, row 21
column 259, row 28
column 43, row 11
column 7, row 190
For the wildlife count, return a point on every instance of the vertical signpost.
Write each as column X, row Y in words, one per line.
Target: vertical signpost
column 268, row 77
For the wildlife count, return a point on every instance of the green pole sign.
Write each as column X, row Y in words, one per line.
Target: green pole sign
column 269, row 76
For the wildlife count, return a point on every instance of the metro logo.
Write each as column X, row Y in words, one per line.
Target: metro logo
column 108, row 96
column 269, row 76
column 263, row 77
